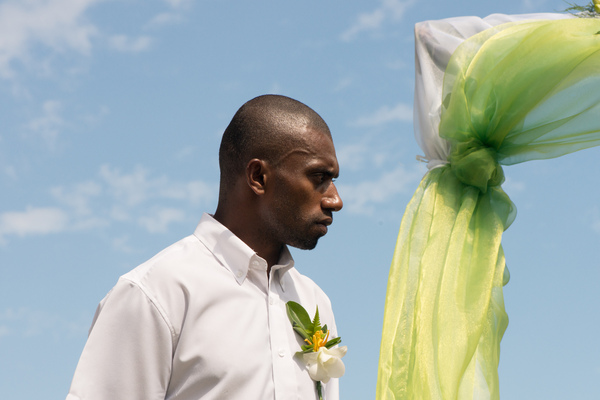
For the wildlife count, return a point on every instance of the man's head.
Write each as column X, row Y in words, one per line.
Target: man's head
column 278, row 164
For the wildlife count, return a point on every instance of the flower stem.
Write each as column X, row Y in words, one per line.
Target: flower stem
column 319, row 390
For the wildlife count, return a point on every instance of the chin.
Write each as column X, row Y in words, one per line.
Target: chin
column 305, row 244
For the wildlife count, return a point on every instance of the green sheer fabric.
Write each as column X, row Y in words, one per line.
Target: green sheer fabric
column 513, row 93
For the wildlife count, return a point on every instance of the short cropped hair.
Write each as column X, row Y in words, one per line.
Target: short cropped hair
column 263, row 128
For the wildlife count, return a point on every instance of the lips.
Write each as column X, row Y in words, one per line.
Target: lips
column 326, row 221
column 323, row 224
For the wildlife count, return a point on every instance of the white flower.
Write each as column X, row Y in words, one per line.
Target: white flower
column 325, row 363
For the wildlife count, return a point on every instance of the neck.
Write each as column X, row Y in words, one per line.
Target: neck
column 249, row 232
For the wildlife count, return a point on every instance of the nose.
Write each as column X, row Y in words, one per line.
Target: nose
column 331, row 199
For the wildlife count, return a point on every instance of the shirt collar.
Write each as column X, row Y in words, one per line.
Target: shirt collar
column 236, row 255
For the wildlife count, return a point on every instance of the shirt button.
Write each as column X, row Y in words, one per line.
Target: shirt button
column 271, row 301
column 281, row 353
column 239, row 274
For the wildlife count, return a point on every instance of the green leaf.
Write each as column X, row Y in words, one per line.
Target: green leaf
column 333, row 342
column 316, row 323
column 300, row 319
column 300, row 331
column 307, row 348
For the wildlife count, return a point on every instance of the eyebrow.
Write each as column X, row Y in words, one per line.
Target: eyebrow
column 329, row 172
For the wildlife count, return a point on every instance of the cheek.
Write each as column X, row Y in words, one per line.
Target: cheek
column 298, row 197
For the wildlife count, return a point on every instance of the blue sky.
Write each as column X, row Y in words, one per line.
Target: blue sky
column 112, row 112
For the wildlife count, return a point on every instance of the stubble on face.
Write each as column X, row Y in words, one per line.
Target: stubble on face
column 296, row 216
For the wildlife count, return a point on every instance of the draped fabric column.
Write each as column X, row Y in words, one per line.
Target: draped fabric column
column 501, row 90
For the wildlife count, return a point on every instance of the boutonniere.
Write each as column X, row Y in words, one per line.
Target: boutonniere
column 322, row 361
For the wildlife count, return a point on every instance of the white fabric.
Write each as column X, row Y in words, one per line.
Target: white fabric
column 435, row 41
column 201, row 320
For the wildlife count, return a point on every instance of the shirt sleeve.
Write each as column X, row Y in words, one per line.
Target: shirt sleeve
column 129, row 349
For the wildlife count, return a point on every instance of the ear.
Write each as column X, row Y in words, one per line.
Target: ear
column 256, row 175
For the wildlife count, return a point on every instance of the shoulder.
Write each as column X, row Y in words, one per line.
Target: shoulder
column 171, row 277
column 183, row 263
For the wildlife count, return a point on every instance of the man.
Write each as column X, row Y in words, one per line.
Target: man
column 206, row 317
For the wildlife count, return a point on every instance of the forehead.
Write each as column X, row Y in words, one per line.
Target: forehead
column 311, row 148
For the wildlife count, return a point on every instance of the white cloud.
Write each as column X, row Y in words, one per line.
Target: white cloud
column 11, row 172
column 162, row 19
column 128, row 189
column 511, row 186
column 154, row 203
column 33, row 221
column 57, row 24
column 121, row 244
column 401, row 112
column 128, row 44
column 78, row 197
column 373, row 21
column 175, row 16
column 534, row 5
column 364, row 197
column 343, row 83
column 135, row 188
column 92, row 118
column 48, row 125
column 4, row 331
column 178, row 3
column 352, row 156
column 158, row 221
column 25, row 322
column 195, row 191
column 185, row 152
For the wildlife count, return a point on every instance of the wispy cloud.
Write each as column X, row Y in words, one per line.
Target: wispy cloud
column 400, row 112
column 357, row 155
column 512, row 186
column 78, row 197
column 178, row 3
column 174, row 16
column 11, row 172
column 388, row 10
column 58, row 24
column 159, row 220
column 343, row 83
column 131, row 189
column 48, row 125
column 63, row 26
column 365, row 196
column 153, row 203
column 127, row 44
column 25, row 322
column 166, row 18
column 534, row 5
column 33, row 221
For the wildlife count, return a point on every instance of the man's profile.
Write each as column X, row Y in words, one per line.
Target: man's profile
column 205, row 318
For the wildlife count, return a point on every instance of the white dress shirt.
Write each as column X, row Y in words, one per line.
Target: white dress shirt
column 202, row 320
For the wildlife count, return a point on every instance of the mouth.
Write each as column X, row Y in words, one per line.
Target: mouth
column 323, row 224
column 327, row 221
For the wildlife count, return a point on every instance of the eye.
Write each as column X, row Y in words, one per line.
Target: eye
column 322, row 178
column 319, row 177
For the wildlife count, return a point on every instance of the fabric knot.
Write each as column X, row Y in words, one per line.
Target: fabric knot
column 476, row 164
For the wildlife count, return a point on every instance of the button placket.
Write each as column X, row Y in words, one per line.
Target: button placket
column 283, row 366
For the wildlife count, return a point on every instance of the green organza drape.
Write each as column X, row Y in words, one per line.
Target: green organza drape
column 517, row 92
